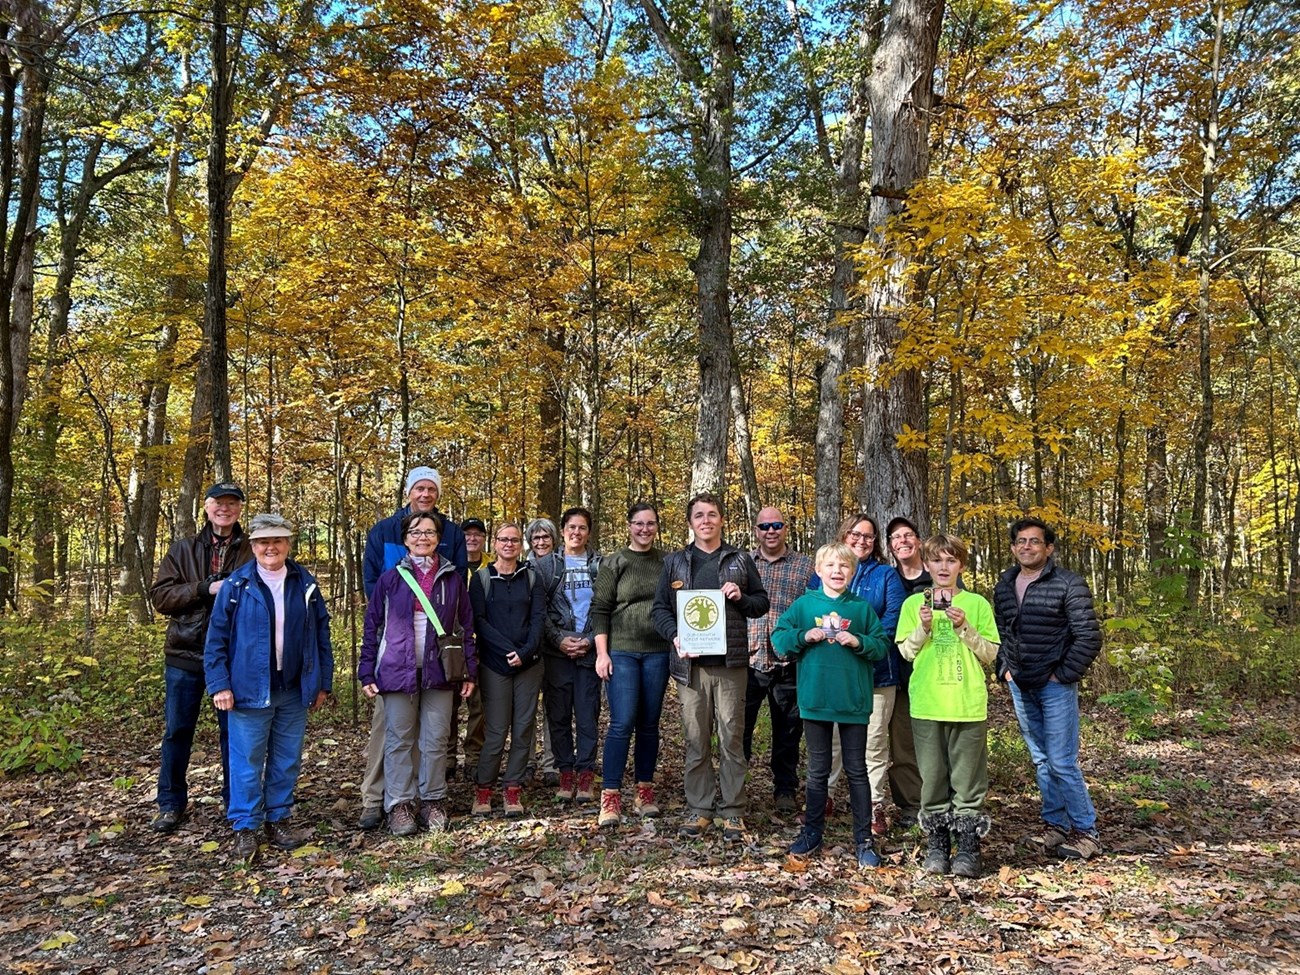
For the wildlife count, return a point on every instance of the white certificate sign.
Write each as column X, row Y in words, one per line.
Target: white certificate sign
column 701, row 622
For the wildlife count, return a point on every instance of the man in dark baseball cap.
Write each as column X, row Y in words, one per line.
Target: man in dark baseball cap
column 183, row 590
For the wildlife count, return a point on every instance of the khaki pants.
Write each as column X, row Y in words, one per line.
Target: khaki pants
column 416, row 725
column 372, row 786
column 714, row 702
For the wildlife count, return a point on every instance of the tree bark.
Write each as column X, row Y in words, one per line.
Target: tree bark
column 901, row 90
column 711, row 125
column 744, row 448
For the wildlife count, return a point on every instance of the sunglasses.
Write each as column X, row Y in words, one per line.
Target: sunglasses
column 770, row 526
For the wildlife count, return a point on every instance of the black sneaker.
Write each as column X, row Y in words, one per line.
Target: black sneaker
column 372, row 817
column 167, row 821
column 285, row 837
column 806, row 843
column 786, row 803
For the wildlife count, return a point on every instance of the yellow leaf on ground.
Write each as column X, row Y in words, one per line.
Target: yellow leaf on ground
column 452, row 888
column 358, row 930
column 60, row 939
column 732, row 924
column 198, row 900
column 211, row 846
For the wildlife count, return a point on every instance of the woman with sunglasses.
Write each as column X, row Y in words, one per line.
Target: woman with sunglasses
column 508, row 606
column 415, row 605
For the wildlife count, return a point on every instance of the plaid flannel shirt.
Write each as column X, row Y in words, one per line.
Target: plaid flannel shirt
column 786, row 579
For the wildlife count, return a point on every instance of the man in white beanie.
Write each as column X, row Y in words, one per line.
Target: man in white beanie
column 384, row 549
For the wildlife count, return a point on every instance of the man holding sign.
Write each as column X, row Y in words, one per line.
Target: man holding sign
column 706, row 592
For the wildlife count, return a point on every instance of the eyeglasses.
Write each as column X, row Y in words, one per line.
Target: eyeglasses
column 1028, row 542
column 859, row 537
column 770, row 526
column 903, row 537
column 509, row 540
column 538, row 537
column 422, row 533
column 644, row 524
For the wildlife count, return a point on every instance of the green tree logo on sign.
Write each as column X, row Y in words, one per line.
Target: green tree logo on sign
column 700, row 613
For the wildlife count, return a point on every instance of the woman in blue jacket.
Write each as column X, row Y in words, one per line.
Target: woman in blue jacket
column 415, row 608
column 267, row 661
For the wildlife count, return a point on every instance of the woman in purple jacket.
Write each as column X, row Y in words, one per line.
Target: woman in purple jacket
column 416, row 607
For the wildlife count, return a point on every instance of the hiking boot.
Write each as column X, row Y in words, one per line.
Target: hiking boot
column 514, row 802
column 1080, row 846
column 643, row 800
column 482, row 801
column 372, row 817
column 567, row 788
column 550, row 779
column 868, row 858
column 733, row 830
column 611, row 808
column 879, row 820
column 432, row 816
column 586, row 786
column 806, row 843
column 167, row 820
column 246, row 845
column 1048, row 839
column 695, row 828
column 785, row 803
column 285, row 837
column 969, row 830
column 401, row 820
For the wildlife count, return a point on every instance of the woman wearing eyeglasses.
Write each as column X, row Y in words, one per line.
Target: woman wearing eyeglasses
column 876, row 582
column 508, row 606
column 632, row 660
column 905, row 546
column 413, row 606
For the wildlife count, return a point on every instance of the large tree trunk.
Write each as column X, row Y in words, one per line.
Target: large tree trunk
column 21, row 51
column 901, row 90
column 744, row 448
column 713, row 91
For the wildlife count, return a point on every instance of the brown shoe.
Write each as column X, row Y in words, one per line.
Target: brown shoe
column 586, row 786
column 285, row 837
column 733, row 830
column 879, row 821
column 611, row 808
column 694, row 829
column 568, row 786
column 246, row 845
column 433, row 816
column 514, row 802
column 482, row 801
column 643, row 800
column 401, row 820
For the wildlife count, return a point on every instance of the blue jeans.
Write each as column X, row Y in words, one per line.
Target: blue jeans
column 181, row 708
column 265, row 758
column 1049, row 722
column 571, row 693
column 635, row 692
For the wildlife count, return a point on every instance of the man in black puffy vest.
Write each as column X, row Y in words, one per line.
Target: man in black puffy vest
column 1050, row 637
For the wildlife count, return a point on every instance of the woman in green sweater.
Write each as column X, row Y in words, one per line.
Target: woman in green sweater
column 837, row 638
column 632, row 660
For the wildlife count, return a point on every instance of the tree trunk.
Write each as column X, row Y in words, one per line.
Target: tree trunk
column 901, row 90
column 744, row 449
column 711, row 124
column 1205, row 416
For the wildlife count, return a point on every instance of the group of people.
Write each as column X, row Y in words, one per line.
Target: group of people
column 876, row 660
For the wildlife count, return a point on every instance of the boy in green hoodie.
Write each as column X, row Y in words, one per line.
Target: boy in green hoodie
column 836, row 638
column 949, row 632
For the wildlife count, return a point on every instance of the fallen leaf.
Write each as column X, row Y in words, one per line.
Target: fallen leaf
column 59, row 940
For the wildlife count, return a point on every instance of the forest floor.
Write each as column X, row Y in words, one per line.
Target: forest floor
column 1201, row 874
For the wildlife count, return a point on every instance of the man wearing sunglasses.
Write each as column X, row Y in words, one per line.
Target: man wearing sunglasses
column 785, row 575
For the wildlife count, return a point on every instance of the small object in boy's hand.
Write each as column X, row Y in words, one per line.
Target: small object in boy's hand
column 831, row 625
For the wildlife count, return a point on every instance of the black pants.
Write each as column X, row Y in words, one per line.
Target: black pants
column 778, row 688
column 853, row 746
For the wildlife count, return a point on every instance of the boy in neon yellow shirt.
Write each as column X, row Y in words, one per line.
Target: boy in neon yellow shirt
column 950, row 635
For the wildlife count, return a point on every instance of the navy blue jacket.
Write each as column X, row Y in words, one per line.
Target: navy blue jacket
column 237, row 655
column 384, row 548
